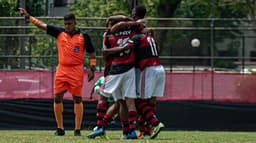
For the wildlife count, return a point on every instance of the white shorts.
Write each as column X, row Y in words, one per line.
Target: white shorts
column 120, row 85
column 137, row 77
column 151, row 82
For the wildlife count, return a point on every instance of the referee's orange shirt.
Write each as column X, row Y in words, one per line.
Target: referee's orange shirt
column 70, row 70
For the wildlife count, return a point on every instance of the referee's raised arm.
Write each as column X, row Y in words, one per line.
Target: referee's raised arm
column 32, row 19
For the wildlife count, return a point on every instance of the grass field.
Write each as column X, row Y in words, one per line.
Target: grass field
column 42, row 136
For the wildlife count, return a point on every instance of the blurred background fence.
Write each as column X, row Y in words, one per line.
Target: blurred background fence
column 227, row 45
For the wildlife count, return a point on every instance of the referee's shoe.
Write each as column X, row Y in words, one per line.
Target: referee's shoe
column 77, row 133
column 59, row 132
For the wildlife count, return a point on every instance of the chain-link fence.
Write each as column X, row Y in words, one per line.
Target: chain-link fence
column 227, row 45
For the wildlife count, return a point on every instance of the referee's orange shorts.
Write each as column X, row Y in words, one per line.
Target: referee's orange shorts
column 69, row 78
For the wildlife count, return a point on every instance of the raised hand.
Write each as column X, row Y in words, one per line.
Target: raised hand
column 23, row 12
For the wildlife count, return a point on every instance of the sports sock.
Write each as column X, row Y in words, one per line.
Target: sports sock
column 132, row 120
column 101, row 111
column 148, row 114
column 107, row 120
column 125, row 126
column 148, row 129
column 153, row 107
column 141, row 124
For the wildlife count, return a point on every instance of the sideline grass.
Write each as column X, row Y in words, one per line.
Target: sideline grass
column 42, row 136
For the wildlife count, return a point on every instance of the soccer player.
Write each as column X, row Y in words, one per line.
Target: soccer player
column 151, row 78
column 138, row 14
column 70, row 71
column 101, row 112
column 120, row 81
column 105, row 115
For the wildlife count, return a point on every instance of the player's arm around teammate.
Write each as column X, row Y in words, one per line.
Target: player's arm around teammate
column 144, row 107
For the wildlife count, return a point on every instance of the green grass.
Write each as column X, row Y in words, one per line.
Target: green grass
column 42, row 136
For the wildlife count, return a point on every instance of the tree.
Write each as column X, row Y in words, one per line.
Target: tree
column 9, row 44
column 251, row 5
column 131, row 4
column 165, row 9
column 214, row 9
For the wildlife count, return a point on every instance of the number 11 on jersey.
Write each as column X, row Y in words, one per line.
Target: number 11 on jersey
column 153, row 47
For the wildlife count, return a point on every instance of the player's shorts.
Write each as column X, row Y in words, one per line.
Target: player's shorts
column 120, row 85
column 151, row 82
column 137, row 80
column 69, row 78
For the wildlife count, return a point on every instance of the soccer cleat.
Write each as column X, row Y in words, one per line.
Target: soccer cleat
column 77, row 133
column 140, row 134
column 99, row 132
column 95, row 128
column 59, row 132
column 102, row 136
column 157, row 130
column 132, row 135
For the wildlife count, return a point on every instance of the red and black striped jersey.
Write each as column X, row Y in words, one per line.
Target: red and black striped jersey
column 122, row 62
column 146, row 50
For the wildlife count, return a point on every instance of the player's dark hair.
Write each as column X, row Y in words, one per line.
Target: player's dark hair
column 140, row 11
column 70, row 16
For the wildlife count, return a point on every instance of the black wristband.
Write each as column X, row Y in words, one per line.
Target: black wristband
column 92, row 68
column 27, row 17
